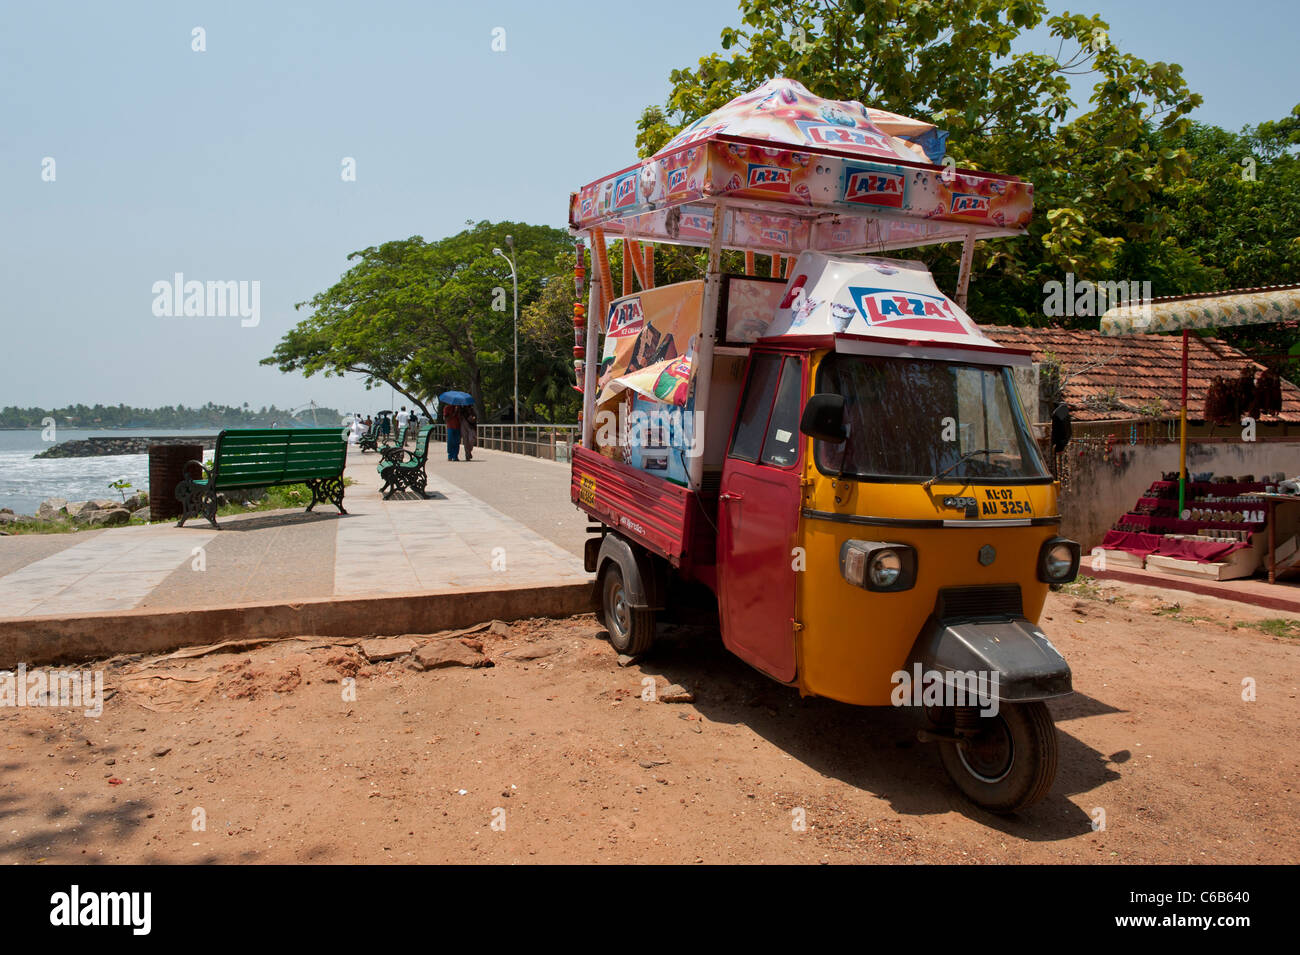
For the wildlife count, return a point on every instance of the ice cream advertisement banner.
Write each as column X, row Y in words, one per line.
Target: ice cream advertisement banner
column 893, row 298
column 645, row 333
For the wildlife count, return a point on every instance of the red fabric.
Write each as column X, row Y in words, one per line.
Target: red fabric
column 453, row 416
column 1144, row 545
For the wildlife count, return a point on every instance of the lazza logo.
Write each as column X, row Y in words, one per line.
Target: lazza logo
column 625, row 191
column 968, row 202
column 910, row 310
column 677, row 180
column 769, row 178
column 625, row 318
column 874, row 187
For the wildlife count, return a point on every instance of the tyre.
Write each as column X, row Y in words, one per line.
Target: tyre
column 1009, row 762
column 631, row 629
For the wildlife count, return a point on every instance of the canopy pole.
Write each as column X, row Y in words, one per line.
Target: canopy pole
column 703, row 363
column 1182, row 439
column 649, row 258
column 627, row 266
column 600, row 264
column 595, row 319
column 963, row 277
column 749, row 263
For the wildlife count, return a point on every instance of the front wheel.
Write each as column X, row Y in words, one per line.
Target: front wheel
column 1004, row 762
column 631, row 629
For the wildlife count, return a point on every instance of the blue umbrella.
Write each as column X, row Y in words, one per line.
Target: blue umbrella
column 455, row 398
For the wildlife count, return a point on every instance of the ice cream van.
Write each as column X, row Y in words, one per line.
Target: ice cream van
column 833, row 451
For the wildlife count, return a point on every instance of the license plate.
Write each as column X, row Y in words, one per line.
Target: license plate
column 586, row 490
column 1003, row 502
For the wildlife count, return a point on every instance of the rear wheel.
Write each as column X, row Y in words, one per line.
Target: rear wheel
column 1005, row 762
column 631, row 629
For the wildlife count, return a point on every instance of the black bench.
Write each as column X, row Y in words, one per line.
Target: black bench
column 266, row 457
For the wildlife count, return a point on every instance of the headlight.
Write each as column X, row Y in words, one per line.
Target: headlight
column 877, row 565
column 885, row 569
column 1058, row 561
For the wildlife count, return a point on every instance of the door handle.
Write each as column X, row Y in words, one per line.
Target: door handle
column 730, row 496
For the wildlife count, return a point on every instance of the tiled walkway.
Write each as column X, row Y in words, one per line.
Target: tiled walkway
column 450, row 540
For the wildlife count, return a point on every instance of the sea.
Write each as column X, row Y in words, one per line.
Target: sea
column 25, row 481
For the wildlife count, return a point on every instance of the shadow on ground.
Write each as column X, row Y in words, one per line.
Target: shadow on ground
column 873, row 749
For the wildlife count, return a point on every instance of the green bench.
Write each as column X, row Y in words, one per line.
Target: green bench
column 405, row 469
column 389, row 452
column 267, row 457
column 370, row 440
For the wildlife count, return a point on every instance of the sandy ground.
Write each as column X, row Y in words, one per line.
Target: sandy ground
column 257, row 756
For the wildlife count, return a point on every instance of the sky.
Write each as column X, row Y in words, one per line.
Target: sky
column 226, row 164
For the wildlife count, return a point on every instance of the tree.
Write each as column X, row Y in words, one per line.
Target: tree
column 950, row 61
column 425, row 317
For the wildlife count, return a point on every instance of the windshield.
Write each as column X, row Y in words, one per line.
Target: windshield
column 909, row 419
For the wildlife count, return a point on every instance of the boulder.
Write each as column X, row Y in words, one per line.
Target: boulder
column 9, row 517
column 437, row 654
column 6, row 510
column 108, row 517
column 107, row 504
column 81, row 510
column 133, row 503
column 676, row 694
column 387, row 648
column 52, row 509
column 142, row 513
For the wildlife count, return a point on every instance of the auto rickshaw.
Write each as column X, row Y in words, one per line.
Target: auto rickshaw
column 834, row 451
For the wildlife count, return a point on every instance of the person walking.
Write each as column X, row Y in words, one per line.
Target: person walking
column 452, row 417
column 402, row 419
column 469, row 430
column 385, row 426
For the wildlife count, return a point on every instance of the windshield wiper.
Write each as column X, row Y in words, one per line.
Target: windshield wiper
column 959, row 462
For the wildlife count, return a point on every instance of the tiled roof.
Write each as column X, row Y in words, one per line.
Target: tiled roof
column 1116, row 378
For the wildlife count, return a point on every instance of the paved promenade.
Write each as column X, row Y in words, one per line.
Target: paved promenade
column 501, row 520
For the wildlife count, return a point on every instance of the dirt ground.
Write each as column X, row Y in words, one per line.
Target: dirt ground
column 550, row 754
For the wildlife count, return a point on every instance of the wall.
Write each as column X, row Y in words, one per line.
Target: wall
column 1101, row 489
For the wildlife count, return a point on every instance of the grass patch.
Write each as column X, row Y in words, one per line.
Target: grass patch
column 1175, row 612
column 288, row 496
column 1274, row 626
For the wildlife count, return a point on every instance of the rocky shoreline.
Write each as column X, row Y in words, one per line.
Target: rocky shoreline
column 98, row 513
column 104, row 447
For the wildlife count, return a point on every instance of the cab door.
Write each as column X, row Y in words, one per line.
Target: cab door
column 758, row 516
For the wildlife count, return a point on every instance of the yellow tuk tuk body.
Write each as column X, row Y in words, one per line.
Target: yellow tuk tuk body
column 850, row 641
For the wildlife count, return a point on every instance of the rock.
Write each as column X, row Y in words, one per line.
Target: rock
column 6, row 510
column 437, row 654
column 107, row 504
column 162, row 750
column 532, row 652
column 52, row 509
column 133, row 503
column 501, row 628
column 81, row 510
column 676, row 694
column 387, row 648
column 109, row 517
column 626, row 661
column 142, row 513
column 9, row 518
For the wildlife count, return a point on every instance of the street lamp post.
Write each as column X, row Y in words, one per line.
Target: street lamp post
column 514, row 280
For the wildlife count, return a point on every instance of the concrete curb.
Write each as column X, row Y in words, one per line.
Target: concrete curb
column 38, row 641
column 1205, row 588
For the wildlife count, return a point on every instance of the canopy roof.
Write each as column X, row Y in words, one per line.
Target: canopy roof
column 792, row 172
column 1258, row 306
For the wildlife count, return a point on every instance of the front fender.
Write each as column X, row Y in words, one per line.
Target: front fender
column 1027, row 665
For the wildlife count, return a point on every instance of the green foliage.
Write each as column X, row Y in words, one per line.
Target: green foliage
column 1118, row 181
column 425, row 317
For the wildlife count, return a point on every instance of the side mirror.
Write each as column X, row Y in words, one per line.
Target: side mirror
column 1062, row 429
column 823, row 418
